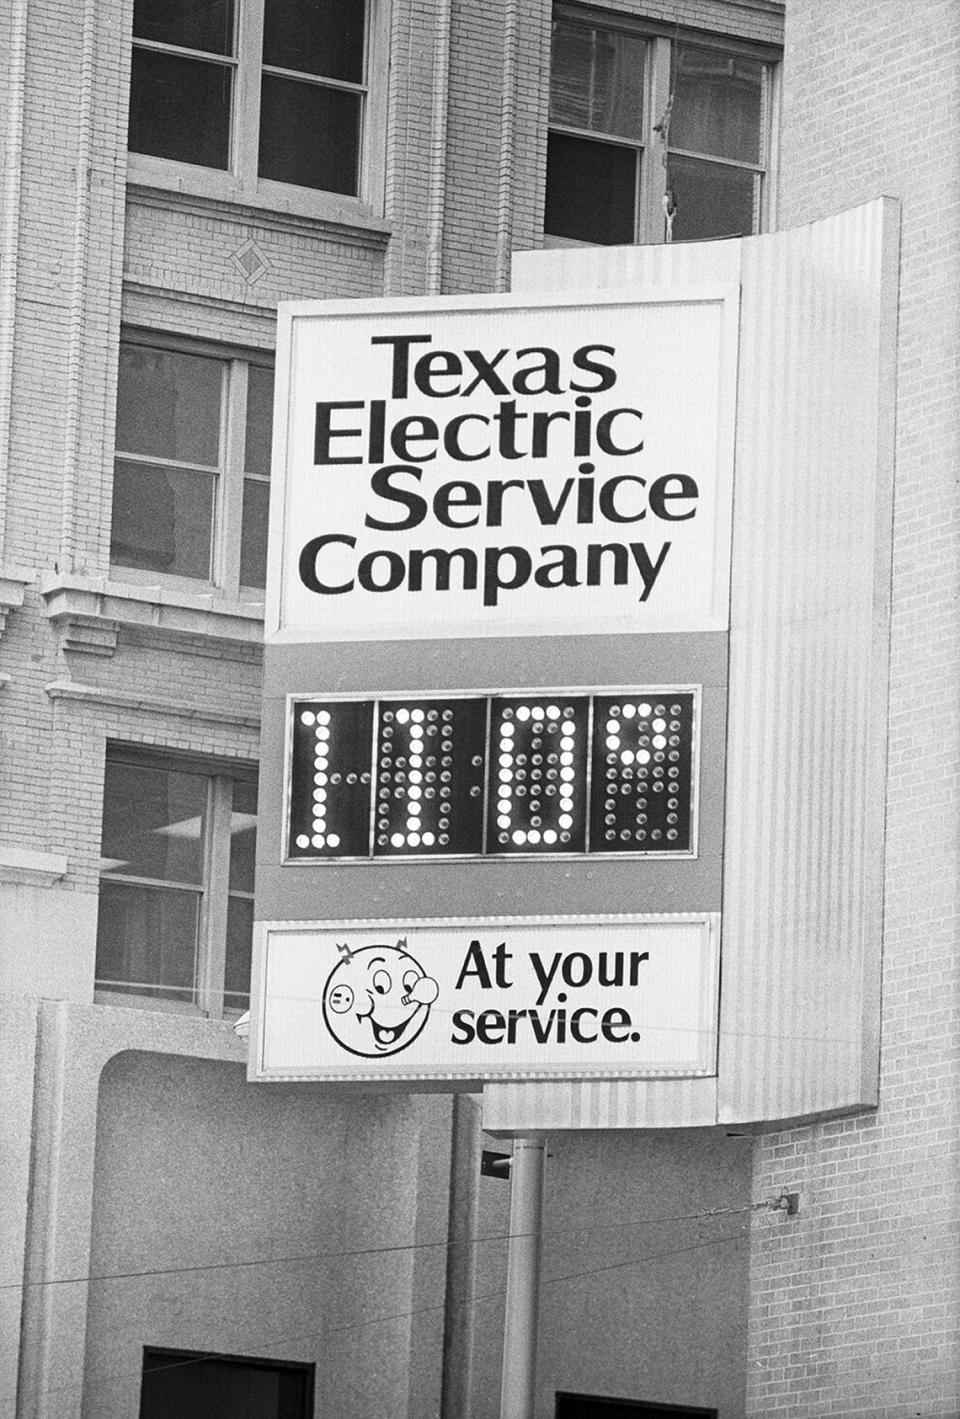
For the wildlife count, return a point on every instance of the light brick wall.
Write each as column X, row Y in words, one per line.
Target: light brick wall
column 855, row 1300
column 86, row 252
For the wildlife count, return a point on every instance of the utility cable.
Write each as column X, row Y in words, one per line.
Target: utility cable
column 409, row 1314
column 776, row 1204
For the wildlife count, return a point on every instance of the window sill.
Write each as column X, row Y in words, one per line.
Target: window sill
column 35, row 869
column 131, row 1000
column 13, row 584
column 207, row 190
column 89, row 612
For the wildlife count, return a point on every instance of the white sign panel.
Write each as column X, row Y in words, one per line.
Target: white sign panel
column 572, row 998
column 503, row 467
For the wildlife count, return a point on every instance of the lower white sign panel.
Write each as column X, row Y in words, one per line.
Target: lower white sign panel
column 613, row 997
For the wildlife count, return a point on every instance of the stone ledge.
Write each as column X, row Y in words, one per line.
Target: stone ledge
column 329, row 220
column 38, row 869
column 89, row 612
column 13, row 584
column 151, row 704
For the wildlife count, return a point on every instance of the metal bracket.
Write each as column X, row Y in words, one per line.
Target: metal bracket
column 495, row 1165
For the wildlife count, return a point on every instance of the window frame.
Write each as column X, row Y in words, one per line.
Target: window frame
column 650, row 225
column 240, row 182
column 213, row 890
column 231, row 472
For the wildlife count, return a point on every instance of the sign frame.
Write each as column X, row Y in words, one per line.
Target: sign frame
column 691, row 853
column 706, row 1008
column 715, row 618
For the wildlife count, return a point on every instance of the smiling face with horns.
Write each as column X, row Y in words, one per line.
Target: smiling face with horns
column 377, row 1000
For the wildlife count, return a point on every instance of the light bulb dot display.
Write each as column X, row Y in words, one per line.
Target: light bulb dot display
column 477, row 775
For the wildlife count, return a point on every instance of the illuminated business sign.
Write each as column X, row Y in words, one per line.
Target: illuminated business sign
column 478, row 775
column 528, row 728
column 501, row 467
column 604, row 997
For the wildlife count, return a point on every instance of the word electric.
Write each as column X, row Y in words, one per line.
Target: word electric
column 493, row 776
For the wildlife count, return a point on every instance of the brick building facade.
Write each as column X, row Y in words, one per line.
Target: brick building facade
column 158, row 1211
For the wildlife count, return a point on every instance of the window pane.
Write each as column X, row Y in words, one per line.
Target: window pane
column 712, row 200
column 236, row 982
column 243, row 836
column 259, row 419
column 309, row 134
column 253, row 536
column 180, row 108
column 208, row 25
column 153, row 822
column 147, row 940
column 591, row 190
column 315, row 37
column 596, row 80
column 162, row 519
column 718, row 99
column 168, row 405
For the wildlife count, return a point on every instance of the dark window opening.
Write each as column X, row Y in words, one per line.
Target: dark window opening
column 595, row 1406
column 183, row 1384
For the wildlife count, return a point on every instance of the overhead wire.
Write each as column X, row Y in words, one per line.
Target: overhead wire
column 386, row 1250
column 724, row 1033
column 409, row 1314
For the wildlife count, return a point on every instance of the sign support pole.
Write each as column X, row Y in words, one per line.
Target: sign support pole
column 523, row 1280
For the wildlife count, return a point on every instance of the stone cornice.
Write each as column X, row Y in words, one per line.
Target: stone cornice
column 89, row 612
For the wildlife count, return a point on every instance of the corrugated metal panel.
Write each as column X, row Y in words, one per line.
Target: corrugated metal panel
column 613, row 268
column 802, row 916
column 625, row 1103
column 808, row 654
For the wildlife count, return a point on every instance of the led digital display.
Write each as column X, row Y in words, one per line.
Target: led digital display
column 493, row 776
column 429, row 796
column 538, row 775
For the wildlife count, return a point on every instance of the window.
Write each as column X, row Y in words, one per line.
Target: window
column 196, row 1386
column 642, row 125
column 191, row 477
column 176, row 890
column 268, row 91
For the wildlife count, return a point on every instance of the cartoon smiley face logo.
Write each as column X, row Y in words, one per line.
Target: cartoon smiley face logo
column 377, row 1000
